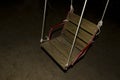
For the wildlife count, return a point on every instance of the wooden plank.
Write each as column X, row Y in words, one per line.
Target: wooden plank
column 69, row 37
column 73, row 18
column 54, row 53
column 67, row 46
column 59, row 45
column 89, row 26
column 86, row 24
column 81, row 34
column 59, row 49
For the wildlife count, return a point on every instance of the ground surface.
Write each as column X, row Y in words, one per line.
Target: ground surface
column 21, row 57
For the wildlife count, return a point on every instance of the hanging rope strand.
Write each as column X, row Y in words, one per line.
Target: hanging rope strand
column 71, row 6
column 73, row 44
column 43, row 24
column 105, row 10
column 100, row 23
column 71, row 2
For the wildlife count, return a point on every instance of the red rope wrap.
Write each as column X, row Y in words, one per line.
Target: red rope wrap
column 82, row 52
column 58, row 25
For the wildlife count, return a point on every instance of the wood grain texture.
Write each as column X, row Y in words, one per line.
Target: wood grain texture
column 85, row 36
column 59, row 49
column 78, row 44
column 85, row 24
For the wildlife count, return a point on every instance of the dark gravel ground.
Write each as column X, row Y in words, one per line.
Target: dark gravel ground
column 21, row 57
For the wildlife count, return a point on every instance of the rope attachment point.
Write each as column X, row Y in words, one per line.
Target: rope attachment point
column 43, row 23
column 99, row 25
column 43, row 40
column 71, row 7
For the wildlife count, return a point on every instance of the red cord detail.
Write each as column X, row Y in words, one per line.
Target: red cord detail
column 54, row 27
column 82, row 52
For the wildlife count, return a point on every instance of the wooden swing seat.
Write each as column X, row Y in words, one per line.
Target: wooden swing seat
column 58, row 48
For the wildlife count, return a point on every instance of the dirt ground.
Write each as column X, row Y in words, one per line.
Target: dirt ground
column 21, row 57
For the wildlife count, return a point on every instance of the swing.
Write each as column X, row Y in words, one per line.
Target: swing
column 76, row 37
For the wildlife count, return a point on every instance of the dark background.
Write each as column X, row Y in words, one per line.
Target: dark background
column 21, row 57
column 96, row 6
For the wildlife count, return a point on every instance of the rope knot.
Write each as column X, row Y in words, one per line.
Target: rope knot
column 71, row 8
column 100, row 23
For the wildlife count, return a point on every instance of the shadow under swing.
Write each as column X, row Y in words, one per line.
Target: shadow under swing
column 76, row 37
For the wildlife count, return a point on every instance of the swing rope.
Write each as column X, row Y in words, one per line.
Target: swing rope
column 105, row 9
column 43, row 24
column 79, row 23
column 73, row 44
column 100, row 23
column 71, row 6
